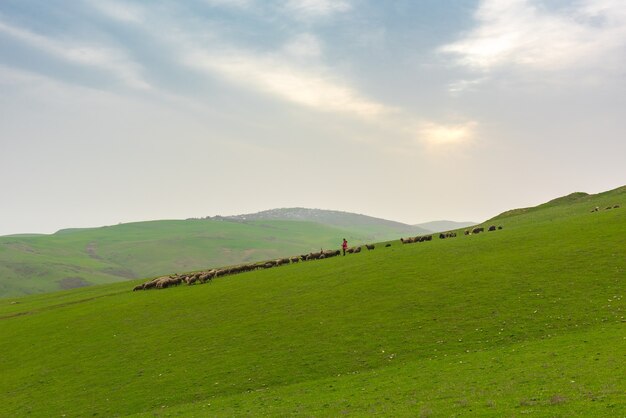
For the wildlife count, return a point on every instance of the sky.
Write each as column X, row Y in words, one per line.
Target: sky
column 117, row 111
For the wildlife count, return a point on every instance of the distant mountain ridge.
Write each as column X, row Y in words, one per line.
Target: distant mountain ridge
column 328, row 217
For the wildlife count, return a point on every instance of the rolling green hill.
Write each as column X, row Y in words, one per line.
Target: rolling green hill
column 81, row 257
column 528, row 320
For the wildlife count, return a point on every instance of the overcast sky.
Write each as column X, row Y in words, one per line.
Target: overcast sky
column 410, row 110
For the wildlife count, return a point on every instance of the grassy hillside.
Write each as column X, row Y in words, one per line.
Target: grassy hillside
column 528, row 320
column 80, row 257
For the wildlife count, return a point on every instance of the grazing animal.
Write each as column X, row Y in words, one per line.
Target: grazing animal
column 407, row 241
column 163, row 283
column 331, row 253
column 478, row 230
column 149, row 285
column 500, row 227
column 369, row 246
column 467, row 232
column 206, row 277
column 357, row 250
column 350, row 250
column 295, row 259
column 314, row 256
column 609, row 207
column 138, row 287
column 492, row 228
column 616, row 206
column 388, row 245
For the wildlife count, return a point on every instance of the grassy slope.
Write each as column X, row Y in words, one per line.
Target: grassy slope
column 527, row 320
column 111, row 254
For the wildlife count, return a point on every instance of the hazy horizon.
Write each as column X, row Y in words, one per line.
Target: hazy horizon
column 116, row 111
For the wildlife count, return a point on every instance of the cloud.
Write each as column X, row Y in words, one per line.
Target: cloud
column 461, row 86
column 95, row 56
column 305, row 45
column 237, row 4
column 123, row 12
column 307, row 9
column 274, row 75
column 525, row 33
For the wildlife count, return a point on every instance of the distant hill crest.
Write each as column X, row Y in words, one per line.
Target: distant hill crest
column 328, row 217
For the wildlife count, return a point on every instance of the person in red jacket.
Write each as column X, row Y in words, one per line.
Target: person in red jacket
column 344, row 246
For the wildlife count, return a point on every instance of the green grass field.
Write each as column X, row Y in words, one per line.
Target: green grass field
column 528, row 320
column 82, row 257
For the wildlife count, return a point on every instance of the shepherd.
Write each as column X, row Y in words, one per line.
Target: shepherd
column 344, row 246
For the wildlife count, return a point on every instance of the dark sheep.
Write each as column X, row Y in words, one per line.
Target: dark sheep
column 500, row 227
column 207, row 277
column 478, row 230
column 149, row 285
column 388, row 245
column 370, row 246
column 138, row 287
column 616, row 206
column 295, row 259
column 357, row 250
column 467, row 232
column 492, row 228
column 163, row 283
column 331, row 253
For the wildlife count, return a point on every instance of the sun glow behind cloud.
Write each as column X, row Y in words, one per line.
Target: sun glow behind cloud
column 436, row 134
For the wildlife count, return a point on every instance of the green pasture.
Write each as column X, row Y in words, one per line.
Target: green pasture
column 528, row 320
column 82, row 257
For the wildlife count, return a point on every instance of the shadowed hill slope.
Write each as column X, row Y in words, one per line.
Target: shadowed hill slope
column 526, row 320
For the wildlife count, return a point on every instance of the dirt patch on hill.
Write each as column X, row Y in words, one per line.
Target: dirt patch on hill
column 90, row 249
column 72, row 283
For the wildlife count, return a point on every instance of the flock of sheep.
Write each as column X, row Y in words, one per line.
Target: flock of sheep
column 208, row 275
column 596, row 209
